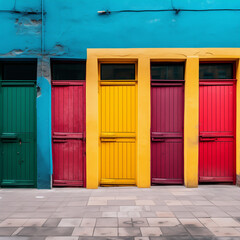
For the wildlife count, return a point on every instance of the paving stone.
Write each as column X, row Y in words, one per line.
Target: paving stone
column 125, row 222
column 129, row 231
column 208, row 222
column 174, row 231
column 222, row 231
column 61, row 238
column 145, row 202
column 46, row 231
column 109, row 232
column 70, row 222
column 150, row 231
column 139, row 222
column 141, row 238
column 107, row 222
column 121, row 202
column 109, row 214
column 7, row 231
column 226, row 222
column 88, row 222
column 83, row 231
column 165, row 214
column 34, row 222
column 200, row 231
column 12, row 222
column 163, row 221
column 52, row 222
column 190, row 222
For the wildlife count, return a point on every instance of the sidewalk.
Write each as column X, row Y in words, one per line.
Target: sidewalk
column 161, row 212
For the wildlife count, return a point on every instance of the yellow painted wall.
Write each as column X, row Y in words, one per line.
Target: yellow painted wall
column 191, row 121
column 144, row 56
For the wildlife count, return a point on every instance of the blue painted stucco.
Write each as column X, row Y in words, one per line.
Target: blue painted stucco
column 65, row 29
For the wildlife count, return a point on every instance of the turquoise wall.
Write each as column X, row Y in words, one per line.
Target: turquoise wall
column 65, row 29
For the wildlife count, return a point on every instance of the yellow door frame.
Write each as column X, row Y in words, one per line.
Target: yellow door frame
column 143, row 57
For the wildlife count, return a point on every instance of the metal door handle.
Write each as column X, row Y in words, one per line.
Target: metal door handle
column 207, row 139
column 155, row 139
column 59, row 141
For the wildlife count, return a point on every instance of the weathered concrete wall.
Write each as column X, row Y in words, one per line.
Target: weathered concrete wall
column 58, row 28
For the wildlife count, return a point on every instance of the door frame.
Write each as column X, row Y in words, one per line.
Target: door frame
column 234, row 81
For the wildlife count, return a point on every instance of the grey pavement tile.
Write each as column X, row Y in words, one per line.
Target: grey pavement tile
column 107, row 222
column 107, row 232
column 109, row 214
column 148, row 214
column 34, row 222
column 199, row 231
column 151, row 231
column 52, row 222
column 12, row 222
column 22, row 238
column 88, row 222
column 129, row 231
column 172, row 238
column 46, row 231
column 83, row 231
column 106, row 238
column 61, row 238
column 183, row 214
column 121, row 203
column 163, row 222
column 224, row 231
column 125, row 222
column 174, row 231
column 70, row 222
column 139, row 222
column 7, row 231
column 190, row 222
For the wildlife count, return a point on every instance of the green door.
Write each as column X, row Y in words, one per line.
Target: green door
column 18, row 133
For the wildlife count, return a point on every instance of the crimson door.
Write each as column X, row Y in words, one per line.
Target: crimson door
column 217, row 127
column 68, row 133
column 167, row 132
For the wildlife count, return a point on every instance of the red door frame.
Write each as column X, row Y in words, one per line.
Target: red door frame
column 55, row 83
column 167, row 83
column 222, row 82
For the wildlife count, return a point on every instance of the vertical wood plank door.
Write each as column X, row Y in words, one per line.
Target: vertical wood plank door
column 68, row 133
column 217, row 127
column 118, row 133
column 18, row 135
column 167, row 111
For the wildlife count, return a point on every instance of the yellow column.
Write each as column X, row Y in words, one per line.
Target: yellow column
column 144, row 122
column 238, row 124
column 92, row 122
column 191, row 122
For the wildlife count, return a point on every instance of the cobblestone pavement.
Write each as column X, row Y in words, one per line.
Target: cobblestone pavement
column 161, row 212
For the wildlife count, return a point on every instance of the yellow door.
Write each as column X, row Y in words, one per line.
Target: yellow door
column 118, row 132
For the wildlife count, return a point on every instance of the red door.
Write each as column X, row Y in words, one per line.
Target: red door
column 217, row 127
column 68, row 133
column 167, row 132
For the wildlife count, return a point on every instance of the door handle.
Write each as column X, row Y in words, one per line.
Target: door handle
column 59, row 140
column 108, row 140
column 155, row 139
column 207, row 139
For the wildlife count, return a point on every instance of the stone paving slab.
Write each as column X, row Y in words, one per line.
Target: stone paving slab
column 210, row 212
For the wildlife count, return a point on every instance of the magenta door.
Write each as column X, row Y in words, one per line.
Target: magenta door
column 167, row 132
column 68, row 133
column 217, row 127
